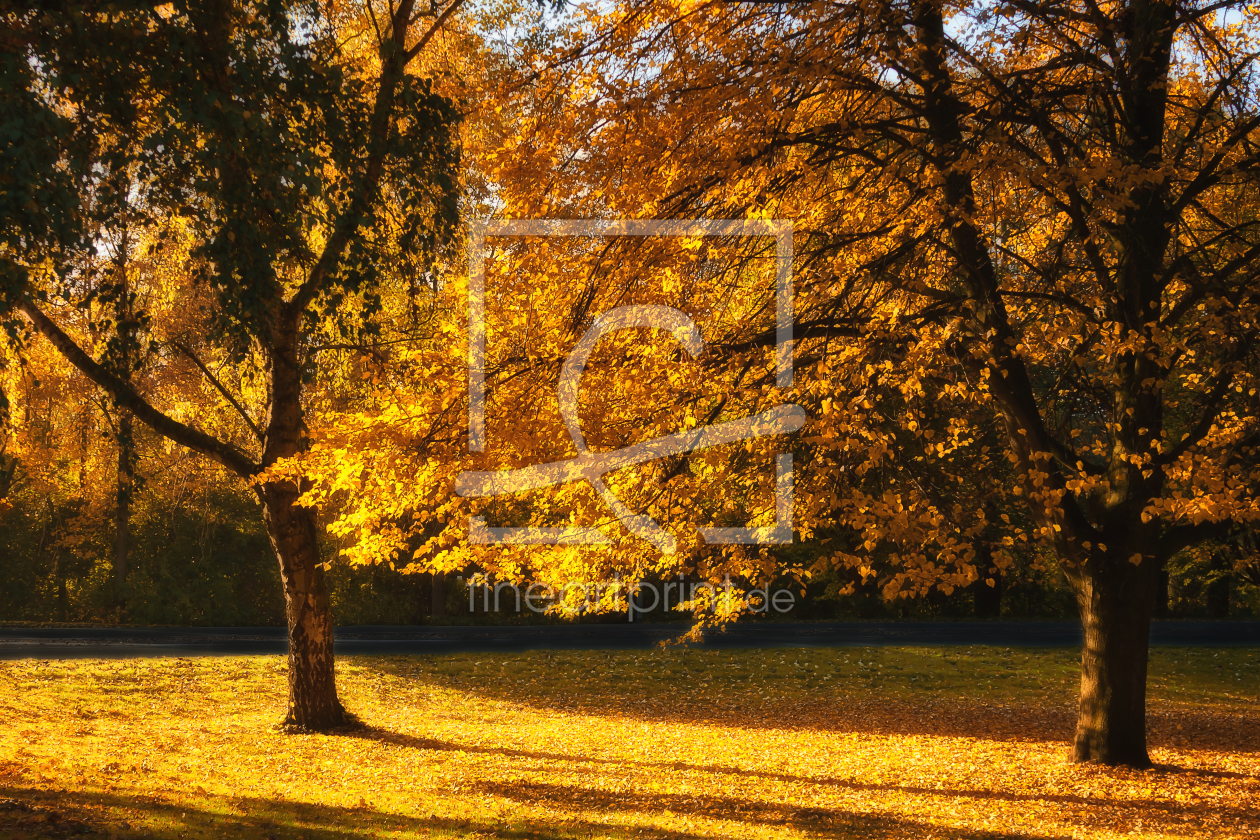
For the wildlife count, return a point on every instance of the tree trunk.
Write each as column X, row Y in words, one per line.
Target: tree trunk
column 1115, row 600
column 313, row 703
column 1163, row 596
column 987, row 599
column 1219, row 585
column 293, row 529
column 8, row 466
column 63, row 593
column 122, row 512
column 437, row 600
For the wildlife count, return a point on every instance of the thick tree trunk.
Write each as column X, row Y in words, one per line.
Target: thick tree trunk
column 313, row 703
column 1115, row 603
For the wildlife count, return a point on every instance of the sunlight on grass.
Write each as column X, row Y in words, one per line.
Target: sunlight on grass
column 673, row 744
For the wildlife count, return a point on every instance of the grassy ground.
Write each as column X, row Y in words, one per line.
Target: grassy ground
column 674, row 744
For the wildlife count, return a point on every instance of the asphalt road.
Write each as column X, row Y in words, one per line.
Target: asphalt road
column 126, row 642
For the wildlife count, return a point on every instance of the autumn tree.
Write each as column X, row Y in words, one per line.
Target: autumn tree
column 1026, row 223
column 308, row 165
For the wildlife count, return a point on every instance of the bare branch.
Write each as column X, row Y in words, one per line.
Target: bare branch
column 222, row 389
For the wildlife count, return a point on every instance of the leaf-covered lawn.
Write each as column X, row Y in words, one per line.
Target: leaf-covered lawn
column 673, row 744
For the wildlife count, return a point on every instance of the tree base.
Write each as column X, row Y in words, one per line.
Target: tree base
column 1133, row 762
column 343, row 721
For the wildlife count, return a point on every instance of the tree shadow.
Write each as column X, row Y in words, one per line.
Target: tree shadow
column 66, row 814
column 1155, row 813
column 1203, row 729
column 88, row 813
column 1045, row 722
column 824, row 822
column 1198, row 771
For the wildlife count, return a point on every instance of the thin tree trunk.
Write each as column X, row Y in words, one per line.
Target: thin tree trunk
column 63, row 593
column 1218, row 588
column 124, row 318
column 1116, row 601
column 8, row 467
column 122, row 513
column 987, row 599
column 1163, row 597
column 438, row 595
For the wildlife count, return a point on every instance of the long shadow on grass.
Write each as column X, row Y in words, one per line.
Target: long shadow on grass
column 826, row 822
column 1047, row 722
column 123, row 816
column 1089, row 810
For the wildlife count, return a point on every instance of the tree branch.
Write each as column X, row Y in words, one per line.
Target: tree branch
column 433, row 30
column 1211, row 409
column 187, row 351
column 126, row 396
column 393, row 62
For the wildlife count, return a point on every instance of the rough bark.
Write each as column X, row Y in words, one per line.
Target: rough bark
column 1116, row 601
column 313, row 702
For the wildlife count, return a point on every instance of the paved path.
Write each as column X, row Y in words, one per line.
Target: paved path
column 125, row 642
